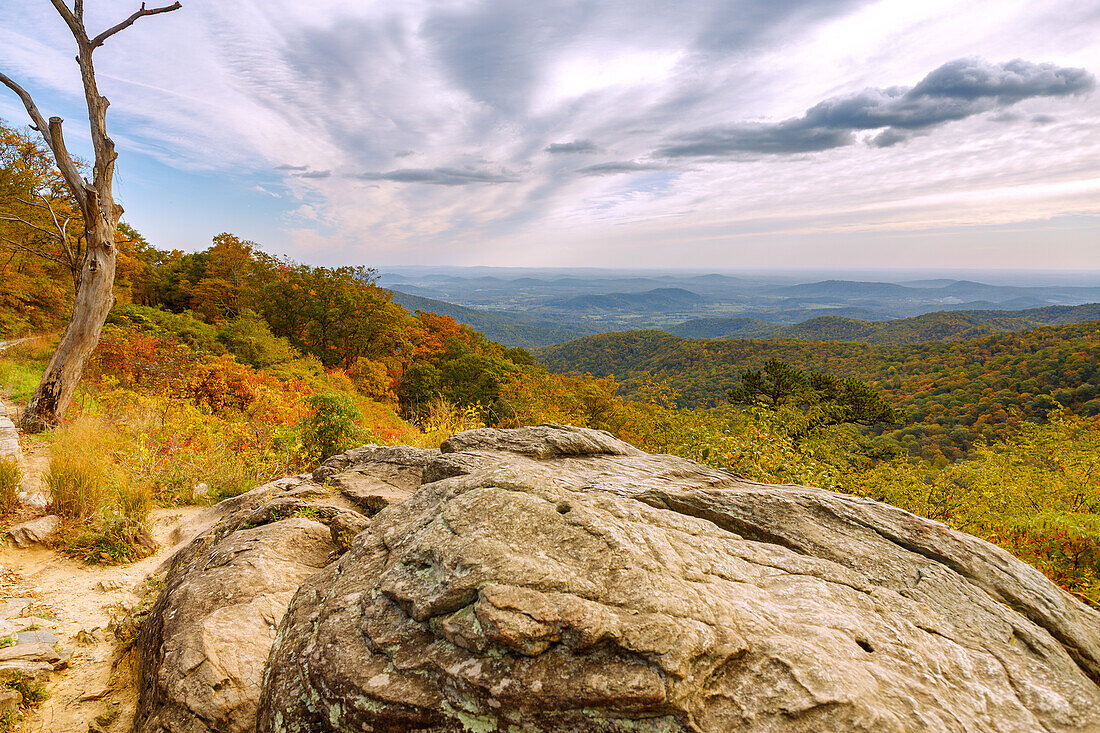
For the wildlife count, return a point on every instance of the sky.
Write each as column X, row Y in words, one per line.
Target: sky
column 703, row 134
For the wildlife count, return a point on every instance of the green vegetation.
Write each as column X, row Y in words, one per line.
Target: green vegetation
column 938, row 326
column 952, row 396
column 33, row 694
column 1036, row 494
column 811, row 400
column 331, row 427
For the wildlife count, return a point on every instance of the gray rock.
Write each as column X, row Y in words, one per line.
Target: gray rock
column 34, row 532
column 33, row 652
column 37, row 636
column 399, row 455
column 34, row 499
column 559, row 580
column 9, row 437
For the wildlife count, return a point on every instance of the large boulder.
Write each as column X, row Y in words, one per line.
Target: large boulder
column 557, row 579
column 204, row 643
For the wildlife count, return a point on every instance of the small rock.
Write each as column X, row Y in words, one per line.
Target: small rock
column 9, row 700
column 200, row 491
column 106, row 586
column 7, row 628
column 63, row 657
column 14, row 607
column 36, row 531
column 88, row 637
column 33, row 500
column 37, row 636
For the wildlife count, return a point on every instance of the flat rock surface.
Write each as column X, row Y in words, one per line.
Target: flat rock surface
column 557, row 579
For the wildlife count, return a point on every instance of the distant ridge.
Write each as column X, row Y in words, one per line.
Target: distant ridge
column 503, row 329
column 650, row 300
column 954, row 325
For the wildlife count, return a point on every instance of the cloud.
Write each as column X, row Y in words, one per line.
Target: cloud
column 313, row 174
column 439, row 176
column 292, row 167
column 616, row 167
column 955, row 91
column 576, row 146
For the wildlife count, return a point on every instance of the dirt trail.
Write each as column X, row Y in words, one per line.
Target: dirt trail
column 82, row 602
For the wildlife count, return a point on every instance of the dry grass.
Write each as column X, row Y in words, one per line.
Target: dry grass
column 11, row 476
column 135, row 500
column 82, row 479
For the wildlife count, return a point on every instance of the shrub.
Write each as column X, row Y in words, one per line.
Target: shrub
column 11, row 476
column 249, row 338
column 331, row 427
column 112, row 540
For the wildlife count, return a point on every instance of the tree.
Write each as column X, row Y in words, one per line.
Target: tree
column 99, row 214
column 821, row 399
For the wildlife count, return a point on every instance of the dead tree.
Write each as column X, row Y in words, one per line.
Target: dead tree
column 94, row 298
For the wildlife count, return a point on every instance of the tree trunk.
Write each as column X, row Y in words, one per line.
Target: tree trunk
column 94, row 300
column 94, row 296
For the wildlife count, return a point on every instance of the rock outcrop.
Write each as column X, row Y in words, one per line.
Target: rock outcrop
column 557, row 579
column 9, row 437
column 205, row 642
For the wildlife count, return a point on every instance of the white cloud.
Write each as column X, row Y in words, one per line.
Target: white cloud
column 425, row 131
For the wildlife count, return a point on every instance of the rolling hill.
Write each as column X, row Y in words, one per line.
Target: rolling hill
column 939, row 326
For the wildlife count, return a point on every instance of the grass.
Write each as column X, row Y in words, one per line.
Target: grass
column 22, row 366
column 11, row 477
column 79, row 479
column 6, row 641
column 34, row 694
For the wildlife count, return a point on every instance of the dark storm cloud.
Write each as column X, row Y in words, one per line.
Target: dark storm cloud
column 439, row 176
column 576, row 146
column 957, row 90
column 616, row 167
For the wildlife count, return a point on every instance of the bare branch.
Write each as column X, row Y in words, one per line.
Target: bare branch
column 75, row 25
column 13, row 246
column 65, row 163
column 24, row 222
column 141, row 13
column 32, row 109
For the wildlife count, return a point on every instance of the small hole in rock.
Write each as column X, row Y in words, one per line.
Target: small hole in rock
column 865, row 645
column 564, row 508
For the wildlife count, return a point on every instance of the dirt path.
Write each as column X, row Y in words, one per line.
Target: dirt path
column 82, row 602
